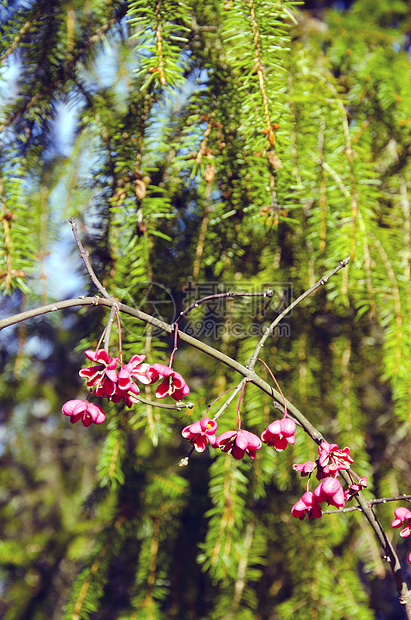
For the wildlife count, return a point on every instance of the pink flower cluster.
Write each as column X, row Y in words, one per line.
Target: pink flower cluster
column 239, row 443
column 329, row 490
column 279, row 434
column 102, row 377
column 330, row 460
column 328, row 464
column 403, row 519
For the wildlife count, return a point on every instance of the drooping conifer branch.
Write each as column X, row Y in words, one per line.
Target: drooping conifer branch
column 349, row 151
column 323, row 192
column 159, row 40
column 23, row 30
column 95, row 567
column 260, row 72
column 397, row 301
column 273, row 159
column 6, row 216
column 67, row 71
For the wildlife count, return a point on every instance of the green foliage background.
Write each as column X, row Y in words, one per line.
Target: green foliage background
column 243, row 142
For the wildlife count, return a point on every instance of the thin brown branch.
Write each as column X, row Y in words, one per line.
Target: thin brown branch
column 85, row 256
column 107, row 332
column 390, row 554
column 371, row 502
column 270, row 330
column 228, row 295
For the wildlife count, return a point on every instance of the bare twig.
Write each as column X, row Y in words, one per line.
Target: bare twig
column 107, row 332
column 248, row 375
column 270, row 330
column 85, row 256
column 371, row 502
column 228, row 295
column 178, row 406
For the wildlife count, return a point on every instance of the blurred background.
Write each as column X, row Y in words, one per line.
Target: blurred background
column 202, row 147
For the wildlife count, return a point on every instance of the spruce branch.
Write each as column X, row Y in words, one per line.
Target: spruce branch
column 6, row 216
column 19, row 36
column 159, row 42
column 397, row 301
column 67, row 72
column 95, row 567
column 260, row 71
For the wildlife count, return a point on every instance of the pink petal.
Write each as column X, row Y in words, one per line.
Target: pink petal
column 96, row 413
column 275, row 427
column 280, row 444
column 142, row 374
column 288, row 427
column 162, row 370
column 163, row 389
column 402, row 513
column 225, row 437
column 237, row 452
column 136, row 360
column 200, row 443
column 71, row 407
column 254, row 442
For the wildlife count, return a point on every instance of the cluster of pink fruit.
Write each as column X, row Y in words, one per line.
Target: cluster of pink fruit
column 403, row 519
column 103, row 379
column 279, row 434
column 330, row 461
